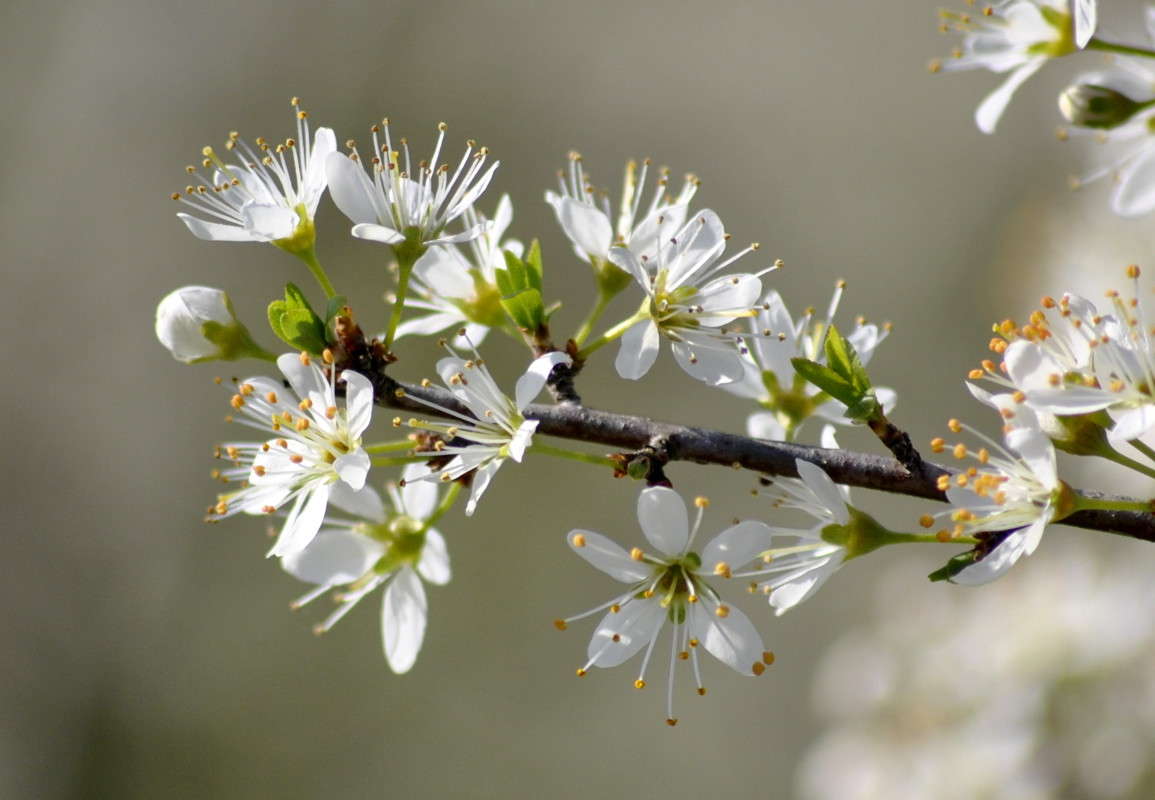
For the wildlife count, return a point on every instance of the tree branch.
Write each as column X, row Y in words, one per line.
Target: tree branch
column 704, row 446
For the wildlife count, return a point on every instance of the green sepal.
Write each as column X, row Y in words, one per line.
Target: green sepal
column 956, row 565
column 295, row 323
column 526, row 309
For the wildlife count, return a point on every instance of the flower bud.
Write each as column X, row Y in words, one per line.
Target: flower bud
column 197, row 323
column 1091, row 106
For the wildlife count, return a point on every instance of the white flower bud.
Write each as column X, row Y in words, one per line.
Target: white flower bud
column 196, row 323
column 1090, row 106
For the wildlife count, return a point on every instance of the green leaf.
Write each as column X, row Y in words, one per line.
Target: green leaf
column 533, row 261
column 526, row 309
column 295, row 323
column 827, row 380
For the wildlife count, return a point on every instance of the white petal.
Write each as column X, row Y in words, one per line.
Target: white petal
column 638, row 351
column 1134, row 423
column 364, row 503
column 467, row 235
column 810, row 577
column 995, row 564
column 726, row 294
column 712, row 363
column 522, row 439
column 626, row 260
column 1086, row 13
column 1034, row 533
column 765, row 425
column 737, row 545
column 1036, row 450
column 418, row 496
column 824, row 489
column 358, row 402
column 481, row 479
column 635, row 625
column 433, row 565
column 335, row 556
column 428, row 325
column 303, row 522
column 307, row 380
column 1135, row 194
column 534, row 379
column 373, row 232
column 663, row 518
column 270, row 222
column 353, row 468
column 403, row 614
column 731, row 639
column 992, row 107
column 215, row 231
column 445, row 272
column 587, row 227
column 315, row 180
column 608, row 556
column 350, row 188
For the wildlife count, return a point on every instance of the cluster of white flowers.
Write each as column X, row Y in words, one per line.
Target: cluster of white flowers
column 1070, row 375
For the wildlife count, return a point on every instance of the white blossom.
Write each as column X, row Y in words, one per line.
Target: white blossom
column 588, row 219
column 1015, row 36
column 314, row 456
column 1088, row 363
column 769, row 376
column 1014, row 488
column 398, row 548
column 197, row 323
column 494, row 429
column 399, row 201
column 270, row 195
column 460, row 289
column 686, row 305
column 670, row 582
column 1122, row 129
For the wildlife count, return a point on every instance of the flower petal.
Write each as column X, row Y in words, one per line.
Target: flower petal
column 353, row 468
column 215, row 231
column 358, row 402
column 351, row 188
column 765, row 425
column 991, row 108
column 481, row 479
column 303, row 522
column 270, row 222
column 588, row 228
column 364, row 503
column 732, row 638
column 335, row 556
column 433, row 565
column 373, row 232
column 664, row 520
column 534, row 379
column 638, row 351
column 998, row 561
column 1134, row 423
column 403, row 614
column 418, row 496
column 619, row 636
column 824, row 489
column 737, row 545
column 608, row 556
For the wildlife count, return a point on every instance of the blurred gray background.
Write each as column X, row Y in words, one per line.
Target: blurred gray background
column 147, row 655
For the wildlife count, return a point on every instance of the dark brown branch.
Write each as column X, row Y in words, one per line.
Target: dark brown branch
column 704, row 446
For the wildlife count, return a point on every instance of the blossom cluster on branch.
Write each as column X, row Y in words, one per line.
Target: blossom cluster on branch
column 357, row 498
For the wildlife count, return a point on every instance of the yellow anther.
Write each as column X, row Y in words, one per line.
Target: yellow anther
column 639, row 684
column 937, row 444
column 767, row 657
column 722, row 611
column 237, row 401
column 722, row 569
column 577, row 540
column 560, row 624
column 959, row 451
column 701, row 502
column 926, row 521
column 1132, row 270
column 701, row 691
column 306, row 359
column 581, row 673
column 954, row 425
column 757, row 667
column 305, row 404
column 330, row 412
column 636, row 554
